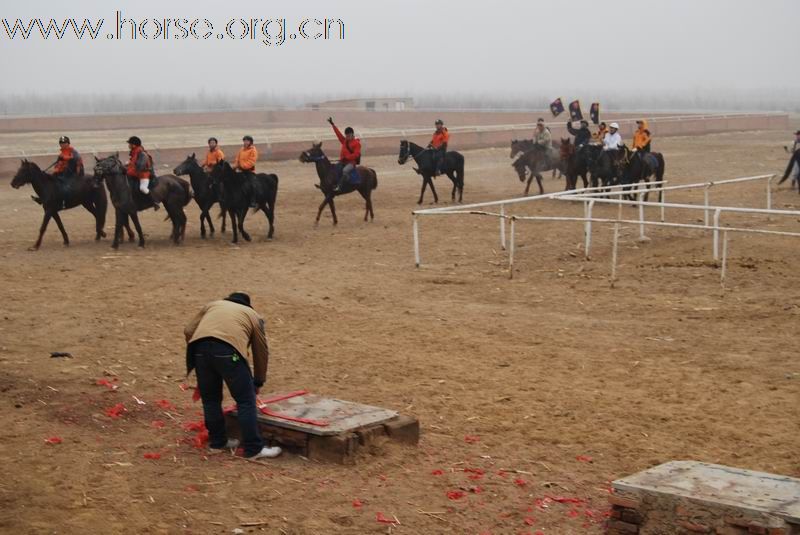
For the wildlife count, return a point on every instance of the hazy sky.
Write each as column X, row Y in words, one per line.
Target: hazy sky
column 501, row 47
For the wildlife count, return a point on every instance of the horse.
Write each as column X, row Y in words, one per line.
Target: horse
column 82, row 191
column 128, row 201
column 240, row 191
column 640, row 166
column 453, row 167
column 605, row 168
column 206, row 191
column 580, row 163
column 328, row 178
column 532, row 162
column 519, row 146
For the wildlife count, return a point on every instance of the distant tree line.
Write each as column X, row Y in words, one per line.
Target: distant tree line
column 84, row 103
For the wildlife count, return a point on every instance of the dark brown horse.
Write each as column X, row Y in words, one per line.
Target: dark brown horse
column 241, row 191
column 82, row 191
column 128, row 201
column 329, row 177
column 533, row 161
column 206, row 192
column 453, row 167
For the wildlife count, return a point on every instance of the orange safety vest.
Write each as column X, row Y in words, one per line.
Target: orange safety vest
column 213, row 157
column 246, row 159
column 440, row 137
column 140, row 164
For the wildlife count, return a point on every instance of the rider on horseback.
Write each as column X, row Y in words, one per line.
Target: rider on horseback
column 601, row 133
column 642, row 137
column 213, row 156
column 140, row 166
column 439, row 144
column 542, row 138
column 68, row 165
column 582, row 134
column 247, row 157
column 350, row 154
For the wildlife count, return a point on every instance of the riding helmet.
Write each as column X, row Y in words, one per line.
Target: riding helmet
column 134, row 140
column 349, row 130
column 614, row 126
column 439, row 121
column 248, row 138
column 63, row 139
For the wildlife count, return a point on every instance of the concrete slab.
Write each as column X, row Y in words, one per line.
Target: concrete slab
column 715, row 484
column 341, row 416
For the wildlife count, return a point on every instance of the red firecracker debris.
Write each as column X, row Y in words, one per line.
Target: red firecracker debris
column 357, row 503
column 520, row 482
column 165, row 404
column 158, row 424
column 53, row 440
column 115, row 411
column 474, row 473
column 383, row 520
column 573, row 513
column 530, row 521
column 584, row 458
column 108, row 384
column 455, row 494
column 565, row 499
column 471, row 439
column 191, row 488
column 196, row 394
column 476, row 489
column 437, row 472
column 154, row 456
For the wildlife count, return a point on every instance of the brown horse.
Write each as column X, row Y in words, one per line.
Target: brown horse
column 329, row 177
column 81, row 191
column 128, row 201
column 532, row 160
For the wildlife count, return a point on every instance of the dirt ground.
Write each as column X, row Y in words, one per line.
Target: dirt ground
column 533, row 393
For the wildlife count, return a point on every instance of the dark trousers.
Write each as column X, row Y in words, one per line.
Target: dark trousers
column 215, row 362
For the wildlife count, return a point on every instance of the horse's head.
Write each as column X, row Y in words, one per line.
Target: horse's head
column 27, row 170
column 519, row 145
column 405, row 152
column 108, row 166
column 186, row 166
column 566, row 149
column 314, row 154
column 521, row 168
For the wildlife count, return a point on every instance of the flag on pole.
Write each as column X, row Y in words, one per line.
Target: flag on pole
column 575, row 113
column 556, row 107
column 594, row 112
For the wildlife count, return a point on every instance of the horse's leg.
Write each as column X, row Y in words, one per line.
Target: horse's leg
column 433, row 190
column 210, row 222
column 269, row 211
column 422, row 191
column 241, row 215
column 333, row 211
column 365, row 195
column 135, row 217
column 118, row 222
column 42, row 229
column 528, row 184
column 131, row 235
column 234, row 228
column 57, row 219
column 203, row 215
column 539, row 182
column 319, row 212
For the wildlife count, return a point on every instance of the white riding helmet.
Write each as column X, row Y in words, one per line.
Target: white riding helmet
column 614, row 125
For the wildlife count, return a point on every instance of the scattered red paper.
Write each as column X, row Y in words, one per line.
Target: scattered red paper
column 471, row 439
column 115, row 411
column 520, row 482
column 53, row 440
column 584, row 458
column 455, row 494
column 565, row 499
column 476, row 489
column 529, row 520
column 474, row 473
column 190, row 488
column 158, row 424
column 153, row 456
column 573, row 513
column 502, row 473
column 194, row 426
column 201, row 439
column 196, row 394
column 437, row 472
column 383, row 520
column 357, row 503
column 165, row 404
column 269, row 412
column 108, row 384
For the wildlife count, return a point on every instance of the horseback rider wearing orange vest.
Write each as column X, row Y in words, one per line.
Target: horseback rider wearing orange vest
column 213, row 156
column 350, row 153
column 642, row 137
column 439, row 141
column 69, row 163
column 140, row 164
column 247, row 157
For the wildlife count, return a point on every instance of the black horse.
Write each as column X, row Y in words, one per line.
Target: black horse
column 640, row 166
column 453, row 167
column 582, row 162
column 533, row 160
column 128, row 201
column 81, row 191
column 206, row 192
column 606, row 168
column 240, row 191
column 519, row 146
column 328, row 174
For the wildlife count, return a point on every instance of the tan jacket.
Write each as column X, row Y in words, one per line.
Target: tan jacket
column 238, row 325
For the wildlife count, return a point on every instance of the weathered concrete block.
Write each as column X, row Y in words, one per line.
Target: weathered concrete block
column 403, row 429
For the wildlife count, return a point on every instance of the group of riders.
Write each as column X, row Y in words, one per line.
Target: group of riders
column 140, row 166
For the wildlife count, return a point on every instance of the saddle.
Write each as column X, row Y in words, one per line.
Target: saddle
column 354, row 179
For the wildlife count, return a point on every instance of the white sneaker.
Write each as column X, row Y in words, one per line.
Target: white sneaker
column 267, row 453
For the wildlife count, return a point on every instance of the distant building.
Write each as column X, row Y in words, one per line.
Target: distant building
column 366, row 104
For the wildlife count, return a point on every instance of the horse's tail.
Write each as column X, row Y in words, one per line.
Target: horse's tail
column 460, row 170
column 374, row 176
column 661, row 166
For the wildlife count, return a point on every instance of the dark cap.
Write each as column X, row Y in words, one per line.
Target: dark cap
column 439, row 121
column 63, row 139
column 212, row 139
column 134, row 140
column 349, row 130
column 240, row 298
column 539, row 120
column 248, row 138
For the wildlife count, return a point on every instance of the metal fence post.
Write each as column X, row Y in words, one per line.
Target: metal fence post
column 511, row 250
column 503, row 226
column 416, row 240
column 588, row 229
column 717, row 213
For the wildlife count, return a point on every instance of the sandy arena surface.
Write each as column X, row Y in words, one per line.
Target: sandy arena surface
column 533, row 393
